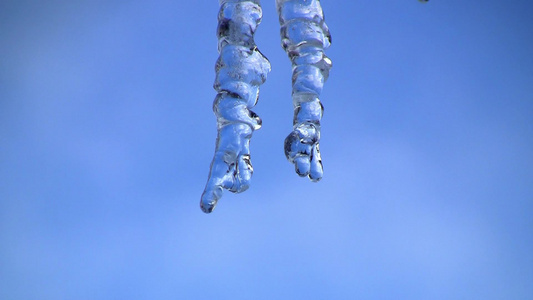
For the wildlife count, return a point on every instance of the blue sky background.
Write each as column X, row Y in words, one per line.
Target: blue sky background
column 107, row 133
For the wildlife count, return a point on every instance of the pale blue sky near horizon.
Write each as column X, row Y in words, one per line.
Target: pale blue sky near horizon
column 107, row 133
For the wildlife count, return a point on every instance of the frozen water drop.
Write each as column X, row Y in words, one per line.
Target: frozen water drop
column 240, row 69
column 305, row 36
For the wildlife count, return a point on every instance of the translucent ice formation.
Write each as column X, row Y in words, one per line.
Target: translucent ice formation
column 240, row 70
column 305, row 36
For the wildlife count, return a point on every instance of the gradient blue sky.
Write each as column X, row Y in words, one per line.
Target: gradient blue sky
column 106, row 135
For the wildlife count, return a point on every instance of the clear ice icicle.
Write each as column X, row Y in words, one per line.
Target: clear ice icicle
column 305, row 36
column 240, row 70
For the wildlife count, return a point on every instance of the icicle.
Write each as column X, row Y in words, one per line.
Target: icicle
column 240, row 69
column 304, row 36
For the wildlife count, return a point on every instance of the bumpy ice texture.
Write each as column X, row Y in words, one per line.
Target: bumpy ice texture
column 305, row 36
column 240, row 70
